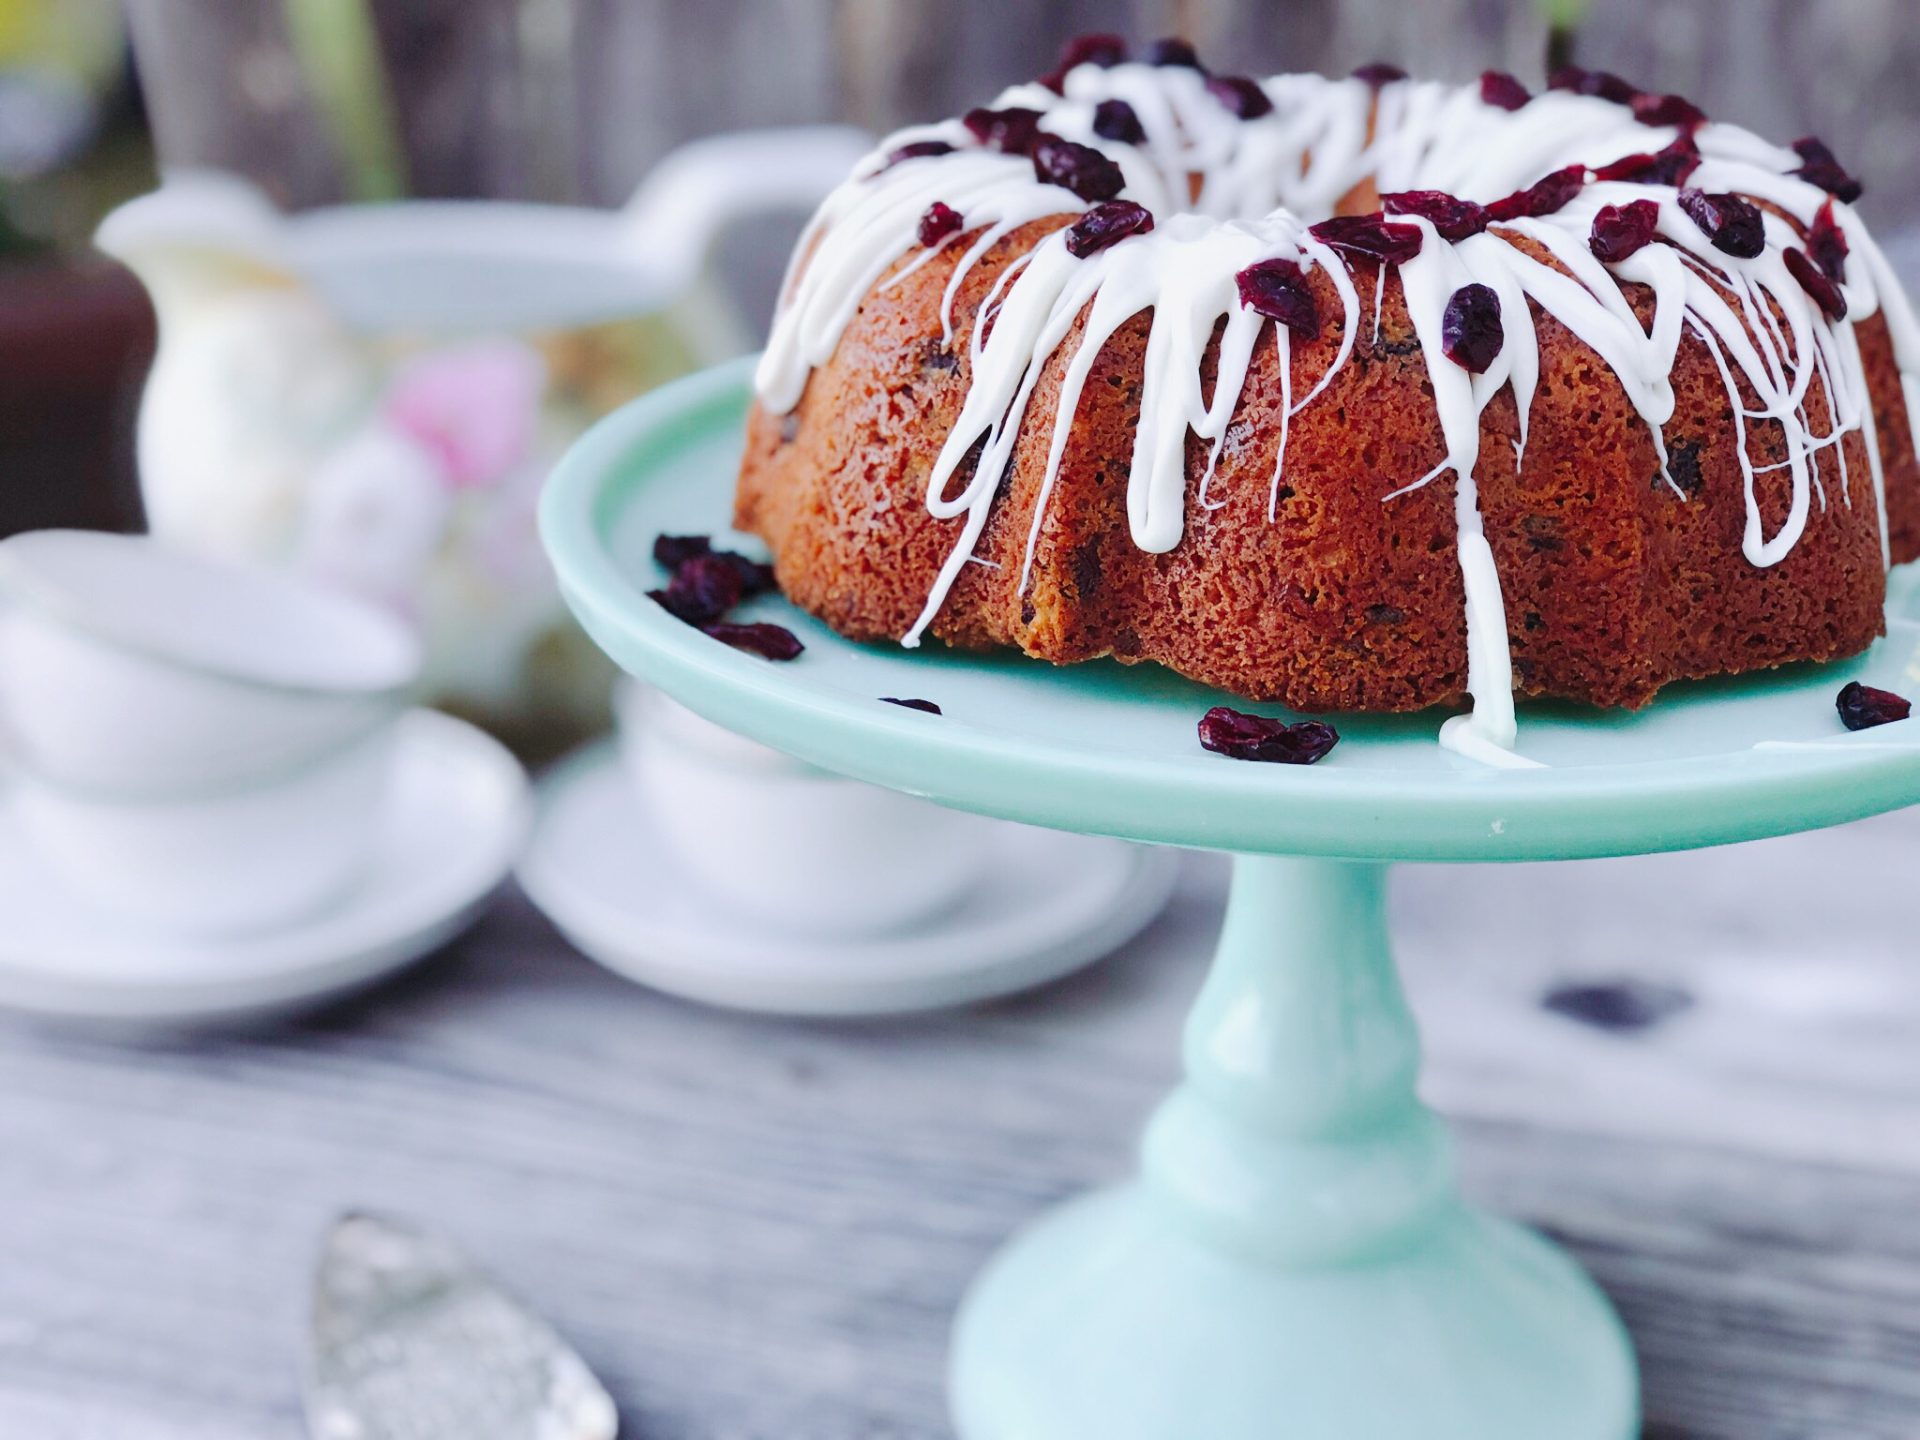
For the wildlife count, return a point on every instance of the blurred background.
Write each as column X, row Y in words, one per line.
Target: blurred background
column 571, row 101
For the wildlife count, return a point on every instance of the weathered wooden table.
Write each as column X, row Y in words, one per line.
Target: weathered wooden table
column 757, row 1230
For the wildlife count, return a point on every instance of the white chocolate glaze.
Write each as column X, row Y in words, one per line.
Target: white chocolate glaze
column 1227, row 192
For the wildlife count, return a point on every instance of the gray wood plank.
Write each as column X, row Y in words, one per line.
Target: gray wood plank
column 758, row 1230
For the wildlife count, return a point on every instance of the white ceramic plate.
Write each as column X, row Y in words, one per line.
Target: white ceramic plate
column 1049, row 904
column 458, row 816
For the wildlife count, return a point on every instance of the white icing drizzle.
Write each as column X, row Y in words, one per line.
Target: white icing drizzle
column 1226, row 192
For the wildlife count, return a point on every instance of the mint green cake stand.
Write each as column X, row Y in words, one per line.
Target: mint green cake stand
column 1293, row 1261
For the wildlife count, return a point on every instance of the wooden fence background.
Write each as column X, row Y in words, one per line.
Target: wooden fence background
column 573, row 99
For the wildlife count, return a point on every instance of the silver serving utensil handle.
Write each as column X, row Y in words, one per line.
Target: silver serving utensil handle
column 410, row 1342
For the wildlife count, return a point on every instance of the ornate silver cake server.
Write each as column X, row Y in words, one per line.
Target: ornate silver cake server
column 410, row 1342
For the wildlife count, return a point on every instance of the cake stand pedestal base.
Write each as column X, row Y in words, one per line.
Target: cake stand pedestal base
column 1294, row 1262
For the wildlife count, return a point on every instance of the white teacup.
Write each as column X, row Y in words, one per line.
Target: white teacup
column 129, row 666
column 225, row 862
column 200, row 745
column 784, row 841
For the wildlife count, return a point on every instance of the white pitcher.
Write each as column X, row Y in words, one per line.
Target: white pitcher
column 372, row 394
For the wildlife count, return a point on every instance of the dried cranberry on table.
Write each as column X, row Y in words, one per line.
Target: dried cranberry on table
column 1862, row 707
column 769, row 642
column 1240, row 736
column 1278, row 289
column 1620, row 1005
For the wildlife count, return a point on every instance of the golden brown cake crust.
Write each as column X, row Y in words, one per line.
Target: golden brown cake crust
column 1614, row 585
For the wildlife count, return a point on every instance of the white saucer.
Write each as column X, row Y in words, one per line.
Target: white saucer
column 459, row 814
column 1049, row 904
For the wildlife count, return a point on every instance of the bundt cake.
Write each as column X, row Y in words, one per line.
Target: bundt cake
column 1351, row 394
